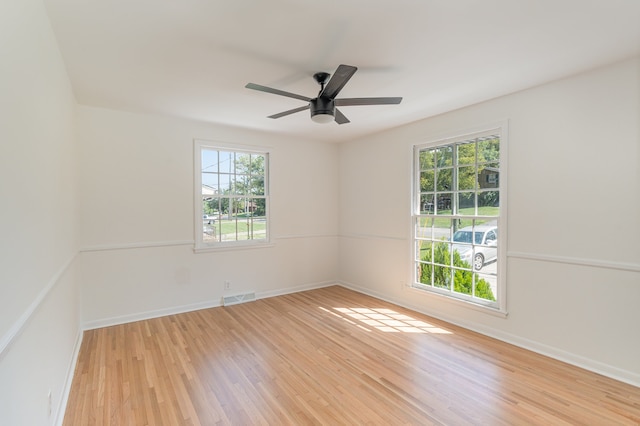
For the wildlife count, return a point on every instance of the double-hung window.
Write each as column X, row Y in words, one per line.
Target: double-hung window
column 458, row 231
column 232, row 196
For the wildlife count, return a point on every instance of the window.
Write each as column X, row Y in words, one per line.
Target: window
column 232, row 196
column 457, row 218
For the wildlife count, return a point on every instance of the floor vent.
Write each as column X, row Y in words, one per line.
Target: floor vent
column 238, row 298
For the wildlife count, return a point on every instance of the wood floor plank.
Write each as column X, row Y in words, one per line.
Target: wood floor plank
column 328, row 356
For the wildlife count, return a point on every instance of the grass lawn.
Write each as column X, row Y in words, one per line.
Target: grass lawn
column 482, row 211
column 240, row 225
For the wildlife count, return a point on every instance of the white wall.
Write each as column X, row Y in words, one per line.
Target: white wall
column 39, row 315
column 573, row 281
column 573, row 278
column 136, row 185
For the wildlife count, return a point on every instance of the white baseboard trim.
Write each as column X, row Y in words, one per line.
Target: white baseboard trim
column 296, row 289
column 18, row 327
column 615, row 373
column 173, row 310
column 62, row 406
column 156, row 313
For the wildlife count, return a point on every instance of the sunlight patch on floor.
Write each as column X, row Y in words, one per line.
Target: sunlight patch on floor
column 386, row 320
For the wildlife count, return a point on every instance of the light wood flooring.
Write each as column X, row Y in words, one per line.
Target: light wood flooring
column 332, row 357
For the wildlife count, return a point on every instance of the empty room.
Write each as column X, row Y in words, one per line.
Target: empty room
column 365, row 212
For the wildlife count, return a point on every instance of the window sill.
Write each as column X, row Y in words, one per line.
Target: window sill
column 466, row 304
column 231, row 247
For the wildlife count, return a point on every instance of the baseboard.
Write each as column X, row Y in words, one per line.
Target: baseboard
column 173, row 310
column 531, row 345
column 157, row 313
column 296, row 289
column 62, row 406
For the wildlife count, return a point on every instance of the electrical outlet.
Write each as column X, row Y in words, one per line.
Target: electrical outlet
column 227, row 285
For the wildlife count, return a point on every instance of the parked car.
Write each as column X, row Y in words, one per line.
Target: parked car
column 478, row 245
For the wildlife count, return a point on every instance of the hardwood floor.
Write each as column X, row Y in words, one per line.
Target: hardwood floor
column 328, row 356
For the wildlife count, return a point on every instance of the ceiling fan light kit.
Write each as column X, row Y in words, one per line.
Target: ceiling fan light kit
column 323, row 107
column 322, row 110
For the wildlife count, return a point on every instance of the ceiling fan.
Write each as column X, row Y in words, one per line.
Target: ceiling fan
column 323, row 107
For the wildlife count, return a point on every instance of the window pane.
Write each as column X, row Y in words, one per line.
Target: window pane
column 444, row 179
column 489, row 203
column 427, row 159
column 427, row 181
column 463, row 245
column 209, row 161
column 441, row 276
column 442, row 229
column 444, row 156
column 424, row 273
column 488, row 175
column 226, row 162
column 467, row 153
column 225, row 183
column 210, row 206
column 236, row 185
column 424, row 250
column 426, row 204
column 463, row 281
column 424, row 228
column 260, row 210
column 257, row 163
column 466, row 203
column 486, row 286
column 209, row 233
column 444, row 203
column 256, row 185
column 466, row 178
column 489, row 150
column 243, row 163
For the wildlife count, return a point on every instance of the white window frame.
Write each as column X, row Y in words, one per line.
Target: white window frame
column 201, row 245
column 498, row 307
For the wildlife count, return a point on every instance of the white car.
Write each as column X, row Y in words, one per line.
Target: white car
column 477, row 246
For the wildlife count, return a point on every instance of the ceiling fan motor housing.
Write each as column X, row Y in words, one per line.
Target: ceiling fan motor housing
column 322, row 106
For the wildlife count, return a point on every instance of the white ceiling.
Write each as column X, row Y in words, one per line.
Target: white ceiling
column 192, row 58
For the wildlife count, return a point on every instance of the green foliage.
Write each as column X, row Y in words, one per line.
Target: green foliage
column 468, row 155
column 437, row 255
column 489, row 150
column 249, row 174
column 246, row 187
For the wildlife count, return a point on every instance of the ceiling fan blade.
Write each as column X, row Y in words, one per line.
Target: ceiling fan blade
column 340, row 118
column 338, row 80
column 367, row 101
column 289, row 112
column 276, row 91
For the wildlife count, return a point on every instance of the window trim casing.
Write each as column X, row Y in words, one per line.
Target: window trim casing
column 199, row 245
column 502, row 129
